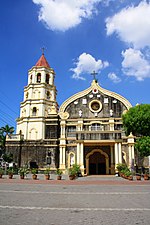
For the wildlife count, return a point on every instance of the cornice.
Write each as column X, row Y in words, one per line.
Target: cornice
column 94, row 84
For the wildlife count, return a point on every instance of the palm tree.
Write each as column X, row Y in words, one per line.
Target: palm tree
column 2, row 142
column 4, row 131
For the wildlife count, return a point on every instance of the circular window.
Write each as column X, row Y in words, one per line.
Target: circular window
column 95, row 106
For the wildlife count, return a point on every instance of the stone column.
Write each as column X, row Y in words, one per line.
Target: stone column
column 120, row 152
column 62, row 126
column 62, row 158
column 80, row 156
column 116, row 155
column 111, row 124
column 62, row 154
column 80, row 125
column 131, row 150
column 78, row 153
column 80, row 149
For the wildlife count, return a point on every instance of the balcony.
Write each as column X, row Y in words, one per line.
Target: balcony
column 14, row 137
column 98, row 135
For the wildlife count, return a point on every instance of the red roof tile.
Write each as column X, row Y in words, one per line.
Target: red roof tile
column 42, row 62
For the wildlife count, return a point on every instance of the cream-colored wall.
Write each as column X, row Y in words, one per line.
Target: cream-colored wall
column 35, row 95
column 27, row 126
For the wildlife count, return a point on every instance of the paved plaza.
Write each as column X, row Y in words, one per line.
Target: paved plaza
column 85, row 201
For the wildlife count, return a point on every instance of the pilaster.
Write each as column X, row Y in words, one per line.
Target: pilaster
column 131, row 150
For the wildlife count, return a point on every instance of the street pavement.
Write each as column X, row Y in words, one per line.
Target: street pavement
column 91, row 200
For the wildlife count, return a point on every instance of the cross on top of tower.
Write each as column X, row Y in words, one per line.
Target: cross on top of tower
column 94, row 75
column 43, row 49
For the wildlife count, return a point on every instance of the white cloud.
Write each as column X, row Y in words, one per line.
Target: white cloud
column 86, row 63
column 132, row 25
column 114, row 77
column 135, row 64
column 62, row 15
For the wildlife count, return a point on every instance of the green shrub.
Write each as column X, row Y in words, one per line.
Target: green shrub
column 10, row 171
column 74, row 170
column 23, row 171
column 59, row 171
column 47, row 171
column 34, row 171
column 1, row 171
column 128, row 173
column 121, row 166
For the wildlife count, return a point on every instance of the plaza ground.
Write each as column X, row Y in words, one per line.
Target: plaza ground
column 87, row 200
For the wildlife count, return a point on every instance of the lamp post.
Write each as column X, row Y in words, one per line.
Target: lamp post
column 20, row 149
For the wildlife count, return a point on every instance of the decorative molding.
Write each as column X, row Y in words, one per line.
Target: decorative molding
column 98, row 106
column 88, row 90
column 64, row 115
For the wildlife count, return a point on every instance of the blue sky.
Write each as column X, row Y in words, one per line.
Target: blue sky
column 111, row 37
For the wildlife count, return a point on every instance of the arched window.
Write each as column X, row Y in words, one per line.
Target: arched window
column 39, row 93
column 31, row 79
column 38, row 78
column 34, row 111
column 33, row 133
column 48, row 95
column 23, row 113
column 47, row 78
column 27, row 94
column 72, row 159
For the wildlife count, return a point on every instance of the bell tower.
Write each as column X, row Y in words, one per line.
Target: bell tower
column 39, row 102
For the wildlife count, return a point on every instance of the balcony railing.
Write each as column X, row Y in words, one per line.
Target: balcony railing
column 14, row 137
column 98, row 136
column 95, row 135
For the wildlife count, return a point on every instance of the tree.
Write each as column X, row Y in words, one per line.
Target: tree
column 8, row 157
column 143, row 146
column 7, row 130
column 4, row 131
column 137, row 120
column 2, row 142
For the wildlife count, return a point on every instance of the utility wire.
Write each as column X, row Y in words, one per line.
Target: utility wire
column 8, row 98
column 7, row 115
column 9, row 108
column 6, row 122
column 8, row 119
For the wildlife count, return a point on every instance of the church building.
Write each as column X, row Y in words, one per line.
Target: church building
column 86, row 129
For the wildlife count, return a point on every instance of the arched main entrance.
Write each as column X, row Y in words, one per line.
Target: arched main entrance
column 97, row 162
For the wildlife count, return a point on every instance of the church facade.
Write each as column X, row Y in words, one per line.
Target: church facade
column 86, row 129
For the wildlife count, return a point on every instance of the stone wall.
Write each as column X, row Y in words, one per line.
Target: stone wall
column 26, row 152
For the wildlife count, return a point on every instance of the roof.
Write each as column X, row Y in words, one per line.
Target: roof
column 94, row 86
column 42, row 62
